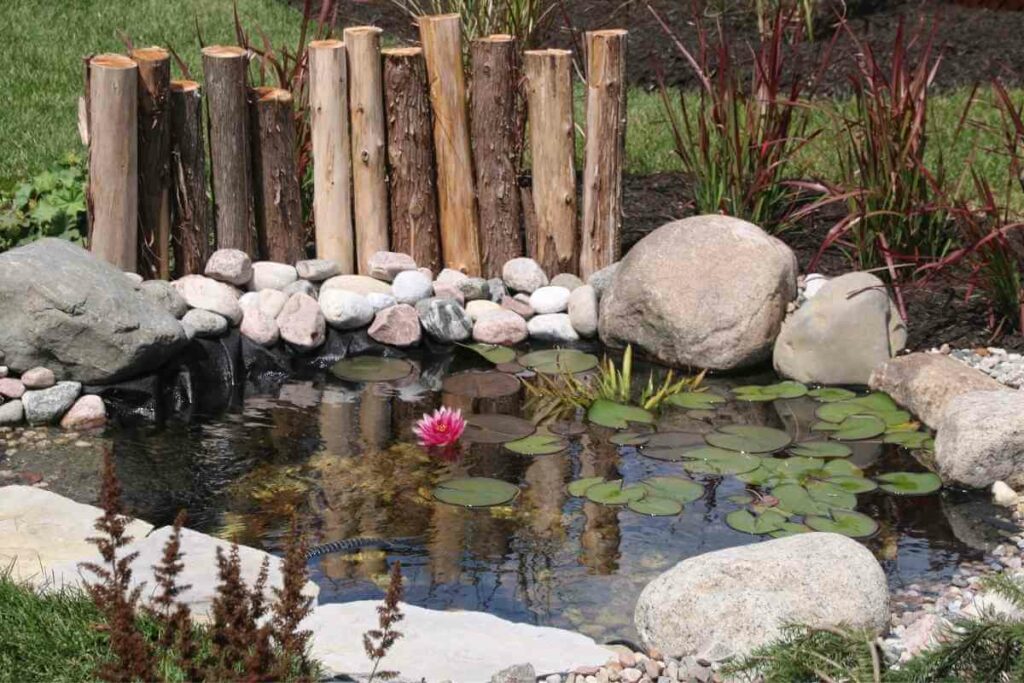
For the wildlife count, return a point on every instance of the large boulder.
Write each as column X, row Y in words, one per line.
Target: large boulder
column 707, row 291
column 65, row 309
column 980, row 439
column 729, row 602
column 924, row 383
column 841, row 334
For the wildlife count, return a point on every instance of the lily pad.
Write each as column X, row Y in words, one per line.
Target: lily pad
column 695, row 400
column 630, row 438
column 673, row 488
column 475, row 492
column 488, row 428
column 493, row 352
column 798, row 500
column 616, row 415
column 671, row 446
column 748, row 438
column 614, row 493
column 559, row 361
column 371, row 369
column 481, row 384
column 833, row 496
column 538, row 444
column 655, row 507
column 852, row 484
column 821, row 449
column 907, row 439
column 858, row 427
column 764, row 523
column 579, row 487
column 770, row 392
column 733, row 463
column 910, row 483
column 790, row 529
column 567, row 428
column 831, row 394
column 846, row 522
column 741, row 498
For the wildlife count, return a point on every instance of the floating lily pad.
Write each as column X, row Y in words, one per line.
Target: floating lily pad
column 910, row 483
column 475, row 492
column 824, row 426
column 858, row 427
column 833, row 496
column 371, row 369
column 488, row 428
column 559, row 361
column 614, row 493
column 748, row 438
column 770, row 392
column 538, row 444
column 733, row 463
column 821, row 449
column 846, row 522
column 907, row 439
column 616, row 415
column 831, row 394
column 513, row 368
column 798, row 500
column 741, row 498
column 630, row 438
column 764, row 523
column 852, row 484
column 671, row 446
column 673, row 488
column 695, row 400
column 579, row 487
column 567, row 428
column 790, row 529
column 655, row 507
column 493, row 352
column 481, row 384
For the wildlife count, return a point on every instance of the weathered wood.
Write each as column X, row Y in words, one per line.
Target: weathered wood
column 278, row 203
column 411, row 171
column 605, row 150
column 154, row 258
column 496, row 149
column 113, row 193
column 369, row 175
column 441, row 36
column 552, row 148
column 224, row 71
column 332, row 160
column 190, row 226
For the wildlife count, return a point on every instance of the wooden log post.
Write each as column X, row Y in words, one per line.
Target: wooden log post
column 605, row 150
column 411, row 171
column 113, row 193
column 332, row 160
column 276, row 194
column 552, row 148
column 224, row 71
column 441, row 36
column 190, row 227
column 369, row 174
column 154, row 258
column 496, row 147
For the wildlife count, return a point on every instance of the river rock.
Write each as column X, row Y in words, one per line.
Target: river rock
column 706, row 291
column 46, row 406
column 500, row 327
column 841, row 334
column 550, row 300
column 205, row 324
column 600, row 280
column 360, row 284
column 11, row 387
column 38, row 378
column 410, row 286
column 134, row 278
column 345, row 310
column 304, row 286
column 259, row 327
column 271, row 302
column 444, row 320
column 397, row 325
column 523, row 275
column 271, row 275
column 448, row 290
column 210, row 295
column 474, row 288
column 450, row 276
column 496, row 289
column 64, row 308
column 88, row 412
column 583, row 304
column 162, row 293
column 232, row 266
column 317, row 270
column 567, row 280
column 980, row 439
column 385, row 265
column 380, row 301
column 302, row 323
column 519, row 673
column 728, row 602
column 924, row 383
column 480, row 307
column 519, row 307
column 11, row 413
column 552, row 327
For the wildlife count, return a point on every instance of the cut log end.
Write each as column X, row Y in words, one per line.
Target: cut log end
column 150, row 54
column 496, row 38
column 272, row 94
column 112, row 61
column 328, row 44
column 608, row 33
column 223, row 51
column 183, row 85
column 402, row 52
column 362, row 31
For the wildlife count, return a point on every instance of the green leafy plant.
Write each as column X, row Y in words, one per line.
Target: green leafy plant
column 50, row 204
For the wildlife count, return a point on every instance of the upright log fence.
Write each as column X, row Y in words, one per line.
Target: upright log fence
column 154, row 240
column 190, row 227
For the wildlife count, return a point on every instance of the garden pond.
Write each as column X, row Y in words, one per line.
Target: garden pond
column 562, row 526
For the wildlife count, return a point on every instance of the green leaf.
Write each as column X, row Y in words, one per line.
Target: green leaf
column 493, row 352
column 614, row 493
column 798, row 500
column 831, row 394
column 559, row 361
column 655, row 507
column 481, row 384
column 846, row 522
column 473, row 492
column 673, row 488
column 858, row 427
column 538, row 444
column 741, row 498
column 770, row 392
column 841, row 468
column 371, row 369
column 910, row 483
column 832, row 496
column 764, row 523
column 489, row 428
column 790, row 529
column 852, row 484
column 733, row 463
column 695, row 400
column 579, row 487
column 616, row 415
column 629, row 439
column 748, row 438
column 907, row 439
column 820, row 449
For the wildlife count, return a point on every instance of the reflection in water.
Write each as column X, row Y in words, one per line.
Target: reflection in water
column 340, row 456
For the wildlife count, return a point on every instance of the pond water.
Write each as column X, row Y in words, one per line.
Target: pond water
column 341, row 456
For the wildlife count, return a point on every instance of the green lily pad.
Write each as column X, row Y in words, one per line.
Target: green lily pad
column 824, row 426
column 820, row 449
column 559, row 361
column 671, row 446
column 695, row 400
column 481, row 384
column 741, row 498
column 798, row 500
column 579, row 487
column 876, row 402
column 764, row 523
column 655, row 507
column 907, row 439
column 748, row 438
column 630, row 439
column 493, row 352
column 858, row 427
column 733, row 463
column 489, row 428
column 846, row 522
column 538, row 444
column 833, row 496
column 614, row 493
column 910, row 483
column 841, row 468
column 371, row 369
column 616, row 415
column 475, row 492
column 673, row 488
column 770, row 392
column 567, row 428
column 852, row 484
column 831, row 394
column 790, row 529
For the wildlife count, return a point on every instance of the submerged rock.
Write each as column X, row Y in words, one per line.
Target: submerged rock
column 980, row 439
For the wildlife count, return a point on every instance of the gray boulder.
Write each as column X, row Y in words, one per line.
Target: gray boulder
column 11, row 413
column 980, row 439
column 729, row 602
column 79, row 316
column 161, row 292
column 46, row 406
column 841, row 334
column 707, row 291
column 205, row 323
column 444, row 320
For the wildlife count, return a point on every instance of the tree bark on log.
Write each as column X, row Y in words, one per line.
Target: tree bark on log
column 154, row 241
column 278, row 202
column 224, row 71
column 190, row 227
column 496, row 149
column 332, row 160
column 442, row 46
column 552, row 148
column 605, row 150
column 113, row 192
column 411, row 172
column 369, row 175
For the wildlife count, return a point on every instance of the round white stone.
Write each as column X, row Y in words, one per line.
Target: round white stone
column 411, row 286
column 550, row 299
column 523, row 275
column 345, row 310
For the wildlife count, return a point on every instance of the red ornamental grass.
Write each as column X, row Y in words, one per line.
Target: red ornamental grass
column 442, row 429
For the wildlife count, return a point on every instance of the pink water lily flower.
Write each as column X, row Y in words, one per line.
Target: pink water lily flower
column 442, row 429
